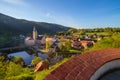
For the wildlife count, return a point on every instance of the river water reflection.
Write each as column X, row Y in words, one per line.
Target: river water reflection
column 27, row 57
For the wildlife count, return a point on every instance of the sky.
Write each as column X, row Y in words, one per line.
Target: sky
column 71, row 13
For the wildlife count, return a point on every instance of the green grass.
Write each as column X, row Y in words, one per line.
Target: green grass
column 21, row 77
column 110, row 42
column 74, row 51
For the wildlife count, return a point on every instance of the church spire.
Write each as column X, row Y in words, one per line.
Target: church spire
column 34, row 28
column 34, row 33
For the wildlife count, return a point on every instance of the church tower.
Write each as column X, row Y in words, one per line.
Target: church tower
column 35, row 33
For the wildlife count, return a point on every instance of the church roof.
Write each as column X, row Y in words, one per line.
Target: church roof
column 40, row 37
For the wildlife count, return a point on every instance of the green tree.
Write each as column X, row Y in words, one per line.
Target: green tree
column 116, row 40
column 36, row 60
column 5, row 39
column 109, row 30
column 13, row 69
column 2, row 68
column 62, row 46
column 19, row 60
column 82, row 31
column 68, row 45
column 47, row 45
column 71, row 31
column 65, row 45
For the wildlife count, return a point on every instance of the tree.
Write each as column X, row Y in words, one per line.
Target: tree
column 19, row 60
column 6, row 39
column 68, row 45
column 116, row 40
column 61, row 33
column 47, row 45
column 71, row 31
column 2, row 68
column 13, row 69
column 82, row 31
column 109, row 30
column 36, row 60
column 65, row 45
column 62, row 47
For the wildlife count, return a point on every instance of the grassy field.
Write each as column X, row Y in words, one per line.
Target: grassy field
column 110, row 42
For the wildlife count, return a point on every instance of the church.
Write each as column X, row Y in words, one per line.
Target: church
column 35, row 39
column 35, row 33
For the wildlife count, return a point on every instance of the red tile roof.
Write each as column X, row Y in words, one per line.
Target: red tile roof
column 84, row 66
column 41, row 65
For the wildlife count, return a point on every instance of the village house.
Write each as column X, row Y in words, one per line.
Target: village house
column 41, row 40
column 53, row 42
column 87, row 43
column 78, row 43
column 41, row 66
column 35, row 39
column 29, row 41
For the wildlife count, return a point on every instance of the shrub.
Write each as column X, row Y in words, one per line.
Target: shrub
column 36, row 60
column 65, row 45
column 19, row 60
column 2, row 71
column 47, row 45
column 13, row 69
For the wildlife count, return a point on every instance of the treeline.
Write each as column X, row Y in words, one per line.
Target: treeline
column 109, row 30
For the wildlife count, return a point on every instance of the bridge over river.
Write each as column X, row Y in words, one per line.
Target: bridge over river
column 12, row 49
column 89, row 66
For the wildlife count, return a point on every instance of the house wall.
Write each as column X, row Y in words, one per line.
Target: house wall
column 29, row 42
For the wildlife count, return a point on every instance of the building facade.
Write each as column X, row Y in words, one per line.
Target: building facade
column 35, row 34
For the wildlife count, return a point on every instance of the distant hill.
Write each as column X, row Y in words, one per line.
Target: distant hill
column 21, row 26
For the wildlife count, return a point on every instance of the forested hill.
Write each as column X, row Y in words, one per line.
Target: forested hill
column 21, row 26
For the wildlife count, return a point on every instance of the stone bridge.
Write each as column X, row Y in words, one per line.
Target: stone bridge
column 88, row 66
column 10, row 49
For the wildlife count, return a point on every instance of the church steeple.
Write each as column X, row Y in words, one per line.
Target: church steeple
column 34, row 28
column 34, row 33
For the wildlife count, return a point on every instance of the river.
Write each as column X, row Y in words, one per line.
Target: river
column 27, row 57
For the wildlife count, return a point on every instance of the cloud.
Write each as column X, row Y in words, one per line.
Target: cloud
column 48, row 15
column 16, row 2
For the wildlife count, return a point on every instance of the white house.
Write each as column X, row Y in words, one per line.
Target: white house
column 29, row 41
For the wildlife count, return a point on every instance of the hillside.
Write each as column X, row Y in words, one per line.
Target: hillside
column 21, row 26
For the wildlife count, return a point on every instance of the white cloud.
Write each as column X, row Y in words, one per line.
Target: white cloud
column 48, row 15
column 16, row 2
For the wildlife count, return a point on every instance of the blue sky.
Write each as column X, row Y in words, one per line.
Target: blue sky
column 73, row 13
